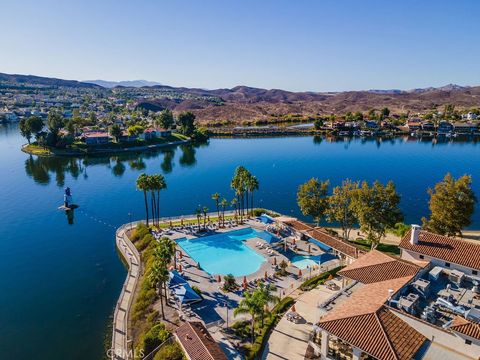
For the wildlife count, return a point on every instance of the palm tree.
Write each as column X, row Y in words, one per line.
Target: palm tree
column 164, row 252
column 151, row 187
column 250, row 304
column 198, row 212
column 234, row 203
column 157, row 277
column 159, row 185
column 142, row 184
column 252, row 185
column 266, row 297
column 205, row 211
column 216, row 198
column 223, row 204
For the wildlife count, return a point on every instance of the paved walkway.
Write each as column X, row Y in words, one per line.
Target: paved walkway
column 120, row 317
column 289, row 341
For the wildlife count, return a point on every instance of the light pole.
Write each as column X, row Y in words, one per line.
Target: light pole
column 226, row 306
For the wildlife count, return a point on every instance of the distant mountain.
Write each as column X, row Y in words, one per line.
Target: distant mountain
column 40, row 80
column 127, row 83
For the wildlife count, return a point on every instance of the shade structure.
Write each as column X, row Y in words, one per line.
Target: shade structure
column 175, row 279
column 186, row 295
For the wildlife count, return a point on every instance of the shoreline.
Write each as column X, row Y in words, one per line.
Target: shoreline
column 103, row 152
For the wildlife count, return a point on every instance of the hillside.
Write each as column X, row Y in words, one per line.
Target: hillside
column 40, row 80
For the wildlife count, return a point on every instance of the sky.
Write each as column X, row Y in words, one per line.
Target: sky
column 299, row 45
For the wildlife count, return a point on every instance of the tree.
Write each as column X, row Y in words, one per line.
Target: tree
column 250, row 304
column 135, row 130
column 204, row 212
column 223, row 204
column 186, row 120
column 385, row 113
column 312, row 198
column 452, row 203
column 376, row 208
column 252, row 185
column 318, row 123
column 266, row 297
column 158, row 183
column 198, row 213
column 35, row 125
column 25, row 130
column 216, row 198
column 55, row 122
column 116, row 132
column 340, row 207
column 165, row 119
column 234, row 205
column 143, row 185
column 158, row 276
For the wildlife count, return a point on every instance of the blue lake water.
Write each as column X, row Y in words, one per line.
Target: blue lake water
column 60, row 282
column 225, row 253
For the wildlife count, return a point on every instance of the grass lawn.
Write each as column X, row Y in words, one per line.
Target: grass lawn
column 386, row 248
column 37, row 150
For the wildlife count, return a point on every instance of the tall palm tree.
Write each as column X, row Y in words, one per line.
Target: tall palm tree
column 198, row 212
column 205, row 211
column 159, row 185
column 223, row 204
column 216, row 198
column 157, row 277
column 142, row 184
column 234, row 203
column 251, row 305
column 252, row 185
column 266, row 297
column 151, row 187
column 164, row 253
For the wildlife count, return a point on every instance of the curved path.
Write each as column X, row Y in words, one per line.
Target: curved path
column 120, row 340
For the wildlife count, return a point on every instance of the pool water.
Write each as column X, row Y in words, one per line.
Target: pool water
column 302, row 262
column 225, row 253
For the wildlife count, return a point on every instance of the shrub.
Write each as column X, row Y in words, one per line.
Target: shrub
column 319, row 279
column 143, row 244
column 153, row 338
column 229, row 283
column 140, row 231
column 170, row 352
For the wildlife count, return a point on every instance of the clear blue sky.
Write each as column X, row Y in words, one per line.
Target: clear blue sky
column 295, row 45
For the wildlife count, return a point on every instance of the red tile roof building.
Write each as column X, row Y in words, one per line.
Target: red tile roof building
column 197, row 343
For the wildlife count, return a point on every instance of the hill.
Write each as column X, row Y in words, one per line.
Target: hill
column 45, row 81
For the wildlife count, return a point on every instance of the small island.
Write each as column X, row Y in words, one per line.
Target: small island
column 79, row 136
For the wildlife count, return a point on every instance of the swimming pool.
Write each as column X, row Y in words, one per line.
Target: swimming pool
column 302, row 261
column 226, row 253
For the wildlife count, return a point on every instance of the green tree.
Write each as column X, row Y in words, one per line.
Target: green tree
column 250, row 304
column 223, row 204
column 55, row 122
column 165, row 119
column 340, row 206
column 143, row 185
column 186, row 121
column 198, row 213
column 158, row 276
column 25, row 130
column 376, row 208
column 204, row 212
column 252, row 184
column 135, row 130
column 318, row 123
column 116, row 132
column 35, row 125
column 385, row 113
column 266, row 297
column 216, row 198
column 452, row 203
column 312, row 198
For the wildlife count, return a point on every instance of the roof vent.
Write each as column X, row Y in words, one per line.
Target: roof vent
column 414, row 234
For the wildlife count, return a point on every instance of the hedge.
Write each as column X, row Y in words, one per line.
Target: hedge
column 319, row 279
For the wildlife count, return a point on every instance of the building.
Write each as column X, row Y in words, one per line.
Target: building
column 465, row 128
column 126, row 137
column 444, row 128
column 96, row 138
column 428, row 126
column 443, row 251
column 197, row 343
column 414, row 124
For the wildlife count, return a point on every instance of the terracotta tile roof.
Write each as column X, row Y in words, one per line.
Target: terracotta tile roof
column 465, row 327
column 376, row 266
column 197, row 342
column 298, row 225
column 334, row 243
column 446, row 248
column 364, row 322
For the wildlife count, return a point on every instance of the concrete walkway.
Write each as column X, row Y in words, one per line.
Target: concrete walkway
column 120, row 318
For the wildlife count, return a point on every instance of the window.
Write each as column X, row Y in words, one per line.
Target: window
column 468, row 342
column 474, row 272
column 422, row 257
column 447, row 264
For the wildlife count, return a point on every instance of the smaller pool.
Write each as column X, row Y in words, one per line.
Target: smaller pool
column 302, row 262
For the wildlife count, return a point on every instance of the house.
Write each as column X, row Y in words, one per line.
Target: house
column 164, row 132
column 428, row 126
column 465, row 128
column 96, row 138
column 153, row 133
column 197, row 343
column 370, row 124
column 414, row 124
column 443, row 251
column 10, row 116
column 444, row 128
column 471, row 116
column 126, row 137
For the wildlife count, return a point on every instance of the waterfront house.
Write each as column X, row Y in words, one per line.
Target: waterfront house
column 370, row 124
column 465, row 128
column 444, row 128
column 428, row 126
column 470, row 116
column 96, row 138
column 197, row 343
column 126, row 137
column 414, row 124
column 153, row 133
column 443, row 251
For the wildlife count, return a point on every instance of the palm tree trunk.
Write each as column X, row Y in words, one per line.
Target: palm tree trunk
column 161, row 301
column 152, row 204
column 146, row 204
column 253, row 329
column 251, row 202
column 158, row 207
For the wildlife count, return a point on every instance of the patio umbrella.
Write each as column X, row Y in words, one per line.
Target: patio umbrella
column 245, row 285
column 293, row 308
column 309, row 249
column 289, row 263
column 219, row 278
column 274, row 261
column 266, row 275
column 244, row 280
column 180, row 255
column 299, row 272
column 294, row 242
column 180, row 267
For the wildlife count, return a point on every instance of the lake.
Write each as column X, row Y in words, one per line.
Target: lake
column 60, row 281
